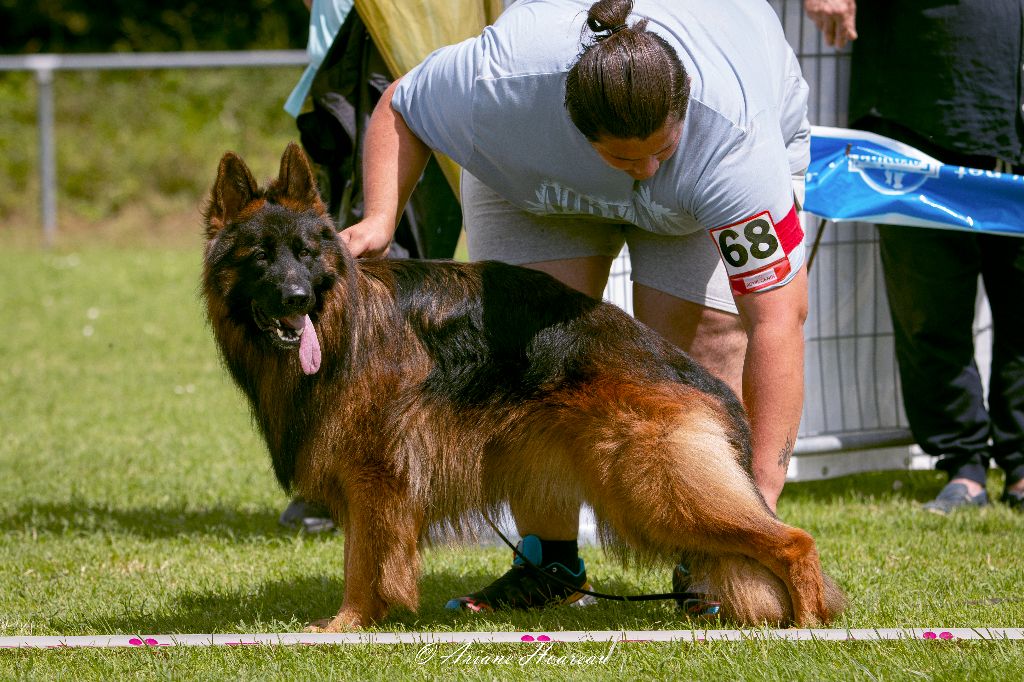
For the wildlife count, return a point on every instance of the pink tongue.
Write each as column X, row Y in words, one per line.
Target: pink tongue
column 309, row 348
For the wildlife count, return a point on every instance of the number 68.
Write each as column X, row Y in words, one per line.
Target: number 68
column 759, row 243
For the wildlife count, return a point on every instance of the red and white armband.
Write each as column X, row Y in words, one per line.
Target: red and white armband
column 759, row 252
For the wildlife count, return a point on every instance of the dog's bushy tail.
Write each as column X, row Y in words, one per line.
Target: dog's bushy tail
column 750, row 593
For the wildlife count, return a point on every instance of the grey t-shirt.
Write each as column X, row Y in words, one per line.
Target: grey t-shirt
column 494, row 104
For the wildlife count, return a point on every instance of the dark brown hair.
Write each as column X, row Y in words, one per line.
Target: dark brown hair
column 627, row 82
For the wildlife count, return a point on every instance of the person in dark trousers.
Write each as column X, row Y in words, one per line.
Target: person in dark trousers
column 948, row 79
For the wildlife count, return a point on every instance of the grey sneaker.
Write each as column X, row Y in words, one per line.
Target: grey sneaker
column 306, row 516
column 955, row 495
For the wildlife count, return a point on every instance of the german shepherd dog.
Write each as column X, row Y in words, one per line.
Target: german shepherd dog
column 409, row 394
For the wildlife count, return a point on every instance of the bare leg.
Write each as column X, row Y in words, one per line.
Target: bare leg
column 589, row 274
column 715, row 338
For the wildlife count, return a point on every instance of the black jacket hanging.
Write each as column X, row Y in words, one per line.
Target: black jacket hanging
column 346, row 88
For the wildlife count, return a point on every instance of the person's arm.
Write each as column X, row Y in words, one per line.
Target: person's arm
column 773, row 378
column 393, row 161
column 836, row 19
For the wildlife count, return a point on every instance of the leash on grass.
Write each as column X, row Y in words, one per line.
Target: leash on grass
column 662, row 596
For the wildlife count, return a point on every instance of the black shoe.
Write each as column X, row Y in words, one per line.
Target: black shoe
column 1013, row 499
column 526, row 587
column 701, row 605
column 955, row 496
column 306, row 516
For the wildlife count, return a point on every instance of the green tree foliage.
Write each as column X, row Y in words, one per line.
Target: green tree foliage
column 68, row 26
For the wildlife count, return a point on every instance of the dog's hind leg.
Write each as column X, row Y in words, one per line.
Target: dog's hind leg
column 381, row 558
column 673, row 483
column 755, row 593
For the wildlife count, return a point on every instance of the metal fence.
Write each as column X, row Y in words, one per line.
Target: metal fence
column 852, row 388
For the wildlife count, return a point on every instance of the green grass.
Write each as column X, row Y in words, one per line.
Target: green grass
column 136, row 499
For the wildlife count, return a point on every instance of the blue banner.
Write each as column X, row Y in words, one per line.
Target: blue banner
column 861, row 176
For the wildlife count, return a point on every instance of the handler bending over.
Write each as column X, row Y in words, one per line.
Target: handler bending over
column 676, row 127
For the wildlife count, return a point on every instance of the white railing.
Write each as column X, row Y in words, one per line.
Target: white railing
column 43, row 66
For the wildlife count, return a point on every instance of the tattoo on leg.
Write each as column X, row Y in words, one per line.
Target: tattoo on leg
column 787, row 453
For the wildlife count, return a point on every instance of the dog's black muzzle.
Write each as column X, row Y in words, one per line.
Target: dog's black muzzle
column 281, row 313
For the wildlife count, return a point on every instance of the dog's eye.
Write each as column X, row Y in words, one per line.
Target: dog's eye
column 259, row 256
column 305, row 253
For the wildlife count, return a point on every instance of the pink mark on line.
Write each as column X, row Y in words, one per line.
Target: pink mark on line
column 149, row 641
column 531, row 638
column 942, row 635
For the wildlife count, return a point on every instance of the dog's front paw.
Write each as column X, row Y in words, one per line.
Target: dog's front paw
column 319, row 625
column 345, row 621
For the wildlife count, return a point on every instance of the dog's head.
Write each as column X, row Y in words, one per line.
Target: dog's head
column 272, row 253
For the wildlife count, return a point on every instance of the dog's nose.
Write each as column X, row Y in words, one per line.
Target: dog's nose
column 296, row 297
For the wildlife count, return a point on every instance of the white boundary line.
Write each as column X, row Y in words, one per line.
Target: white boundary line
column 423, row 638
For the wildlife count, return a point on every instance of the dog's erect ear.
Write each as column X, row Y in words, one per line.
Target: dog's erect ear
column 295, row 181
column 234, row 189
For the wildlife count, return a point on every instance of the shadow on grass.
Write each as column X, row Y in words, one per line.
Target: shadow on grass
column 233, row 523
column 288, row 605
column 143, row 522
